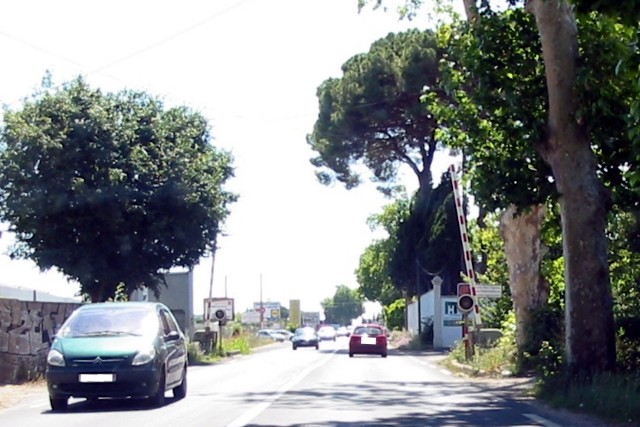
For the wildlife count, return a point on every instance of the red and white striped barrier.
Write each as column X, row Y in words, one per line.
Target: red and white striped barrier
column 466, row 247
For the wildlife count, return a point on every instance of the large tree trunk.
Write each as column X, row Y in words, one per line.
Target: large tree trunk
column 524, row 252
column 590, row 334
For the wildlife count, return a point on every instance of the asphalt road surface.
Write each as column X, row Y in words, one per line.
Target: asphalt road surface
column 277, row 386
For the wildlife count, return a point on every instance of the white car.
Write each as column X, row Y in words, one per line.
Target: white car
column 327, row 333
column 343, row 331
column 269, row 333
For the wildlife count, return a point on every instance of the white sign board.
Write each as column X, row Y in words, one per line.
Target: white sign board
column 251, row 317
column 310, row 318
column 215, row 304
column 488, row 291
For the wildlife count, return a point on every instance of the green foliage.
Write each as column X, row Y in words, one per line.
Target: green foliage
column 372, row 115
column 237, row 343
column 628, row 344
column 373, row 275
column 612, row 397
column 498, row 97
column 624, row 264
column 394, row 314
column 418, row 256
column 486, row 240
column 496, row 360
column 345, row 305
column 110, row 188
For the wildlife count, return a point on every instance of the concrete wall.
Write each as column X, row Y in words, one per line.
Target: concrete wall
column 27, row 329
column 177, row 296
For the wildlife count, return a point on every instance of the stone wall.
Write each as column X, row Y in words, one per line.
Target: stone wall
column 27, row 329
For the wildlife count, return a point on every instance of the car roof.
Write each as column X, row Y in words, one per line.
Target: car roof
column 122, row 304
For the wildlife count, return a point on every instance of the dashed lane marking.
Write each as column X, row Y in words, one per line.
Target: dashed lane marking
column 542, row 421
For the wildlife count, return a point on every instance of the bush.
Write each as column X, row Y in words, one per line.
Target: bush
column 610, row 396
column 628, row 344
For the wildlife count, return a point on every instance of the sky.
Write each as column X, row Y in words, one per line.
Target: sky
column 252, row 68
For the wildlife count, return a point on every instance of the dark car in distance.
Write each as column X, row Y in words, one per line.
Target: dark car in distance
column 117, row 350
column 368, row 339
column 305, row 337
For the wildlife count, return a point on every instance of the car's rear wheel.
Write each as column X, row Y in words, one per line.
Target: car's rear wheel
column 317, row 346
column 384, row 355
column 295, row 347
column 350, row 354
column 58, row 403
column 181, row 391
column 157, row 400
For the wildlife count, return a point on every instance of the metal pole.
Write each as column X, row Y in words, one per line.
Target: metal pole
column 261, row 306
column 419, row 299
column 220, row 337
column 225, row 286
column 213, row 262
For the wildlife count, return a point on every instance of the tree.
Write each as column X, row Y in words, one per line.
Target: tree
column 373, row 272
column 110, row 188
column 566, row 147
column 372, row 115
column 344, row 306
column 574, row 122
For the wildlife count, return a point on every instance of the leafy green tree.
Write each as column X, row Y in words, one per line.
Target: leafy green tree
column 372, row 115
column 394, row 314
column 508, row 85
column 345, row 305
column 110, row 188
column 373, row 272
column 567, row 147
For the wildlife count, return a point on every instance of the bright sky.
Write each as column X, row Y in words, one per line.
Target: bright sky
column 252, row 67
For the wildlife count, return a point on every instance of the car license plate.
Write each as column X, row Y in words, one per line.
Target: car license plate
column 97, row 378
column 368, row 341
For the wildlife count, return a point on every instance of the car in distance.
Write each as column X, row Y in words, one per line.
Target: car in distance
column 342, row 332
column 368, row 339
column 327, row 333
column 271, row 334
column 287, row 334
column 117, row 350
column 305, row 337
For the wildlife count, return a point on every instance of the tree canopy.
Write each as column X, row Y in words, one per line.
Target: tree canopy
column 344, row 306
column 372, row 115
column 110, row 188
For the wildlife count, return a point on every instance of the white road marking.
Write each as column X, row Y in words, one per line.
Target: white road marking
column 542, row 421
column 246, row 418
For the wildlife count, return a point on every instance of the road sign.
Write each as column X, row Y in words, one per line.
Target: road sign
column 260, row 310
column 211, row 305
column 488, row 291
column 465, row 303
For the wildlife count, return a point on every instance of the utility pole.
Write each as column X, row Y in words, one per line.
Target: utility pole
column 419, row 299
column 261, row 306
column 213, row 263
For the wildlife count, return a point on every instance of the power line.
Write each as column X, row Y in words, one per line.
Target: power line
column 100, row 69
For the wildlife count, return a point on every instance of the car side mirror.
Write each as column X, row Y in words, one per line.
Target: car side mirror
column 172, row 336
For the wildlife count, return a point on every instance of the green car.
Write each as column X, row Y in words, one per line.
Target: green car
column 117, row 350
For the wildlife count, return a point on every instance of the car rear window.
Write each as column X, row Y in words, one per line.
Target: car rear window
column 367, row 330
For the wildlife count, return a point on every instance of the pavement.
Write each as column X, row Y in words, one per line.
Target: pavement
column 512, row 387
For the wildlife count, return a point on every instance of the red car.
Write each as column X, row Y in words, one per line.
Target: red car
column 368, row 339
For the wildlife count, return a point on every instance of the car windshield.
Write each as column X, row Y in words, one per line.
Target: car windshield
column 108, row 321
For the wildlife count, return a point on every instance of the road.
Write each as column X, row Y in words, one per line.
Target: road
column 277, row 386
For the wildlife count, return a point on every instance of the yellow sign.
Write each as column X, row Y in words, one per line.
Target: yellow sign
column 294, row 313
